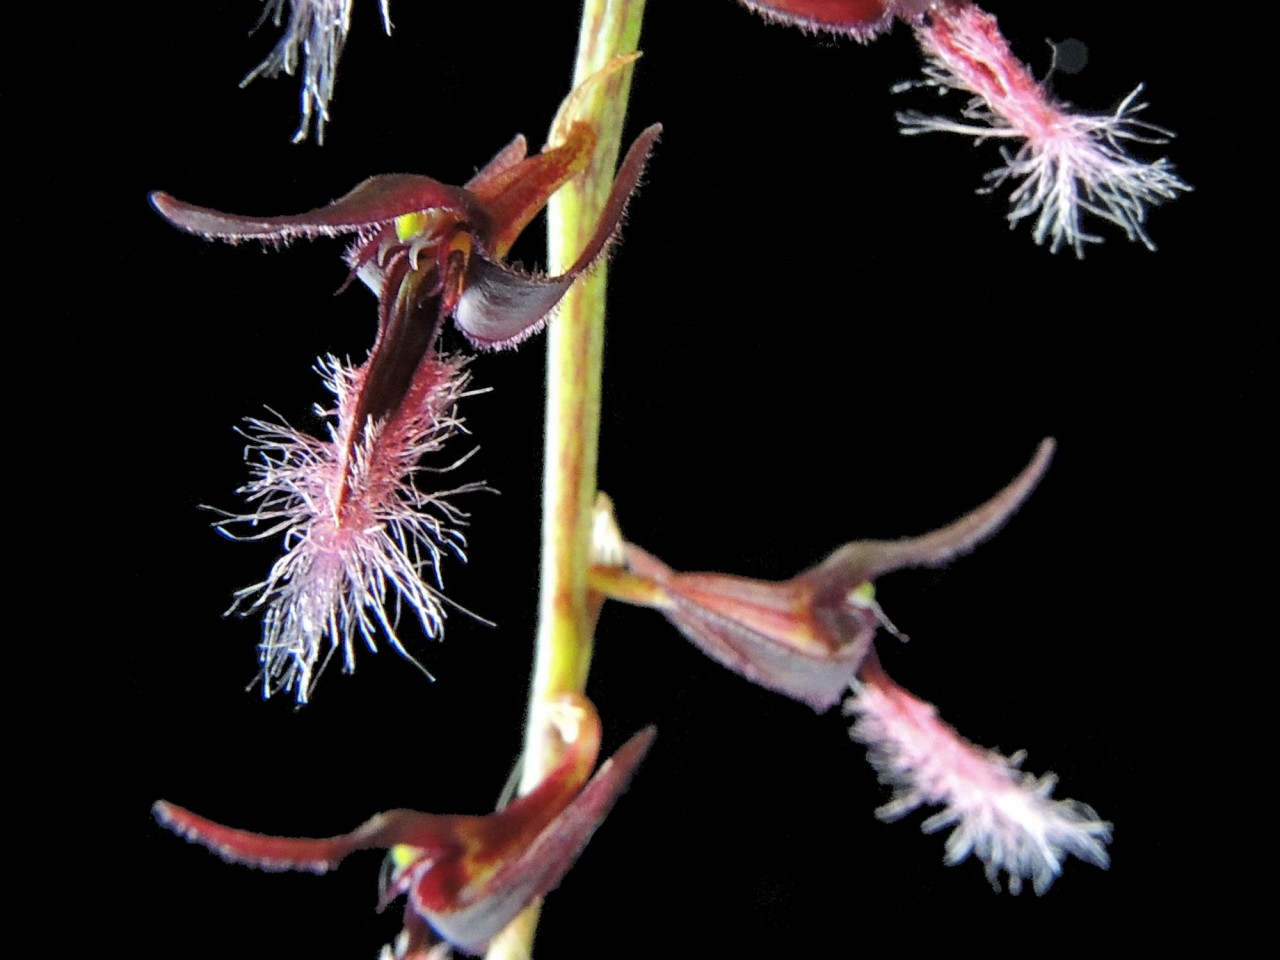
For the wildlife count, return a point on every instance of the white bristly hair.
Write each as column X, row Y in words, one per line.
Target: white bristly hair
column 358, row 532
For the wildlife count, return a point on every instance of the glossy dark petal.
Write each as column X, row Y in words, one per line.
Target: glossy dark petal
column 499, row 306
column 375, row 202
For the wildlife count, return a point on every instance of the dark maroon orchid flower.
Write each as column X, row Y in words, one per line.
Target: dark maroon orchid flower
column 465, row 876
column 357, row 531
column 807, row 636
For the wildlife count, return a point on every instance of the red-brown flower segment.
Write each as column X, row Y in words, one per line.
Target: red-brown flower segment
column 804, row 637
column 466, row 876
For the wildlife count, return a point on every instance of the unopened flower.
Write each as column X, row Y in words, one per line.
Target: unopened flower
column 464, row 876
column 357, row 530
column 316, row 32
column 1066, row 165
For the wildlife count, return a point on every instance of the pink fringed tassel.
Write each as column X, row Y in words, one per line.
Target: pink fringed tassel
column 1068, row 163
column 1005, row 816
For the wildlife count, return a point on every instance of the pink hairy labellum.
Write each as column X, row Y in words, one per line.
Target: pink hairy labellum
column 1066, row 166
column 804, row 637
column 465, row 877
column 357, row 530
column 1005, row 817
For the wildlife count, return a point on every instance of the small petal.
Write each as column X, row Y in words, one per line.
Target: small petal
column 486, row 179
column 1003, row 815
column 500, row 307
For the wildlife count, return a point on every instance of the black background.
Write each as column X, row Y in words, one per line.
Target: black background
column 817, row 332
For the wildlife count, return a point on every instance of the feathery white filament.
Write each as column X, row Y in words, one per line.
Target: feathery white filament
column 358, row 532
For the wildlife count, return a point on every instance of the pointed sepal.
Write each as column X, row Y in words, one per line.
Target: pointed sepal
column 314, row 855
column 864, row 560
column 373, row 203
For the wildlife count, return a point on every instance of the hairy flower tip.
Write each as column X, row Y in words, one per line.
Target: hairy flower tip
column 861, row 19
column 317, row 28
column 1005, row 816
column 1068, row 163
column 359, row 533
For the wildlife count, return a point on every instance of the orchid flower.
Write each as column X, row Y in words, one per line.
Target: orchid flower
column 465, row 876
column 357, row 530
column 812, row 638
column 1067, row 164
column 807, row 636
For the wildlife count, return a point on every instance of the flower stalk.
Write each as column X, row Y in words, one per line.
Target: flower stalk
column 575, row 346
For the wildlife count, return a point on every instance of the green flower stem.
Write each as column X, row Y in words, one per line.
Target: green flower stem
column 575, row 346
